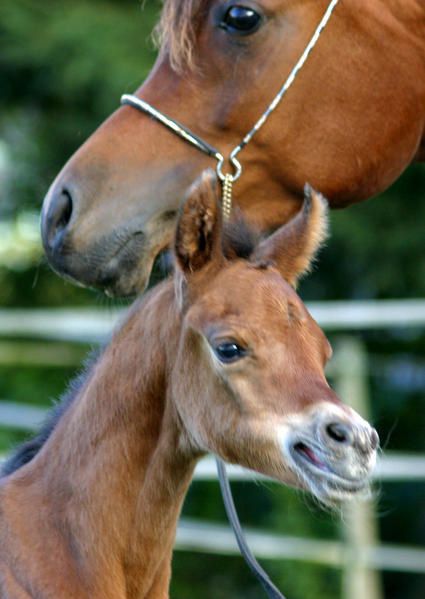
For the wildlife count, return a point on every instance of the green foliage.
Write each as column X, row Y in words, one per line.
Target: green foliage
column 63, row 68
column 212, row 577
column 377, row 248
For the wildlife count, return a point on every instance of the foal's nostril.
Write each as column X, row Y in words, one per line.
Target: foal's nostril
column 340, row 432
column 365, row 439
column 374, row 439
column 58, row 217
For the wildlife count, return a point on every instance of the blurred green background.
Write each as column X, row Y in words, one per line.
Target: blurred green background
column 63, row 67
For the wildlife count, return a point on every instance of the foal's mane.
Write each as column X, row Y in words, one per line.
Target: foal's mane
column 177, row 28
column 26, row 451
column 239, row 240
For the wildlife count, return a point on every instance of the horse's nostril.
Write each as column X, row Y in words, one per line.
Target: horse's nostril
column 64, row 215
column 58, row 217
column 339, row 432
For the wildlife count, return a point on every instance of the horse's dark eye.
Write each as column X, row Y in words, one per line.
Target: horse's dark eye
column 241, row 20
column 229, row 352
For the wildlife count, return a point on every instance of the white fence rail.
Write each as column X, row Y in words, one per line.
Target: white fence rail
column 194, row 535
column 94, row 325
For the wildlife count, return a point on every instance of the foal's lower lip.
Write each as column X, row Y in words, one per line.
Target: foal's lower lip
column 308, row 453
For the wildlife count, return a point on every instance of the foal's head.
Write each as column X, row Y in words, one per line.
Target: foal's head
column 249, row 381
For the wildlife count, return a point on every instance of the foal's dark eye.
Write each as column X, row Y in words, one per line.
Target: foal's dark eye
column 229, row 351
column 241, row 20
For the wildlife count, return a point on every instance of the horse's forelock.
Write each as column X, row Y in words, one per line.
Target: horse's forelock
column 176, row 30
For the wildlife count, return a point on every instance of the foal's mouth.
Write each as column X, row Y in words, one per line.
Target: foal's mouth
column 316, row 468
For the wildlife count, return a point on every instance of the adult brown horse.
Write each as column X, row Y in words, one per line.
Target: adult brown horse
column 200, row 365
column 350, row 124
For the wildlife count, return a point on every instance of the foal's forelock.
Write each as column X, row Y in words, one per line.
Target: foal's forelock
column 239, row 238
column 176, row 30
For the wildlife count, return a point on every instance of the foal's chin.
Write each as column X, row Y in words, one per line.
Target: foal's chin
column 329, row 488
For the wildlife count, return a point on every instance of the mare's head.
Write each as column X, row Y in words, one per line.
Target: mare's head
column 350, row 124
column 249, row 382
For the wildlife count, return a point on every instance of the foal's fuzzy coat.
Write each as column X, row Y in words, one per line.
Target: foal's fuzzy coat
column 93, row 512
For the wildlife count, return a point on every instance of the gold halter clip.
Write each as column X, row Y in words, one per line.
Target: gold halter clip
column 227, row 180
column 226, row 201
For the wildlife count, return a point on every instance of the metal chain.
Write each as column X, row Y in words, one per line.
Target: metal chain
column 227, row 196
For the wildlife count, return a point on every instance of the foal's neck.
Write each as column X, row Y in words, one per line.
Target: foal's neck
column 113, row 470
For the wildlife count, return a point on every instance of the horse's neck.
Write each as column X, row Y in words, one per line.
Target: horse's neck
column 112, row 473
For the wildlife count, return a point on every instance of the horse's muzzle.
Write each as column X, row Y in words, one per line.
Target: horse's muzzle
column 113, row 264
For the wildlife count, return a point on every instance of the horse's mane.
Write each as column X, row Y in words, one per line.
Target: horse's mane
column 239, row 241
column 176, row 29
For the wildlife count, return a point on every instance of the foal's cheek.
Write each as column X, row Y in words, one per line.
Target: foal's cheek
column 195, row 419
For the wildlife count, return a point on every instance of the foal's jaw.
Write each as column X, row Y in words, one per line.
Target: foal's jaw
column 331, row 450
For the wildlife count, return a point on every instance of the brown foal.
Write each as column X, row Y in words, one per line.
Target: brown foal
column 222, row 358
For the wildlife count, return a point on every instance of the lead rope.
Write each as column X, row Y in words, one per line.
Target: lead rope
column 227, row 179
column 232, row 515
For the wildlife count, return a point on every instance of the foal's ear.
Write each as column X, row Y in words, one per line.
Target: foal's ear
column 198, row 233
column 293, row 247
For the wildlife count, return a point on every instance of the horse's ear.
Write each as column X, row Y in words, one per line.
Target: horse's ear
column 199, row 226
column 293, row 247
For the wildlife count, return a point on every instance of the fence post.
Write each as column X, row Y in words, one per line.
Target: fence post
column 359, row 522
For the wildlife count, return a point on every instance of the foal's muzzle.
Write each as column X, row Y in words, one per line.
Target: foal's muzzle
column 332, row 452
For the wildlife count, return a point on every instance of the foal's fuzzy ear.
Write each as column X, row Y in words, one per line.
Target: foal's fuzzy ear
column 199, row 225
column 293, row 247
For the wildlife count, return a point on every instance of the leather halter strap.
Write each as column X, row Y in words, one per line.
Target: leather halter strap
column 173, row 125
